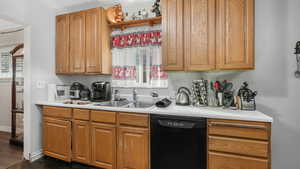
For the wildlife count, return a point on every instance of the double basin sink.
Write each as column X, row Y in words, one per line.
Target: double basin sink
column 125, row 104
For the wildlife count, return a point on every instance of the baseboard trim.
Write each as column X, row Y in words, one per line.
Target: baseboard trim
column 5, row 128
column 36, row 155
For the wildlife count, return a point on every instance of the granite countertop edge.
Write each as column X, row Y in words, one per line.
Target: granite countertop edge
column 205, row 112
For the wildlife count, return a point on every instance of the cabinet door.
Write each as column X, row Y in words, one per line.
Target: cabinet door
column 62, row 44
column 172, row 35
column 103, row 145
column 133, row 148
column 93, row 41
column 81, row 141
column 199, row 35
column 77, row 42
column 228, row 161
column 57, row 138
column 235, row 46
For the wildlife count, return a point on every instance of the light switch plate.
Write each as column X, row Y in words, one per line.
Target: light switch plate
column 40, row 84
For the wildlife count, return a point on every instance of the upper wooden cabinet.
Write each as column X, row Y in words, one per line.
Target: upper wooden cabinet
column 203, row 35
column 86, row 43
column 77, row 42
column 172, row 35
column 199, row 35
column 62, row 44
column 235, row 34
column 97, row 42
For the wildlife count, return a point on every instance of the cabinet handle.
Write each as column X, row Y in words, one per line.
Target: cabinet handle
column 237, row 125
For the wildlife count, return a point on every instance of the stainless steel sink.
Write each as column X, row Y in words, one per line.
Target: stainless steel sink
column 140, row 105
column 113, row 103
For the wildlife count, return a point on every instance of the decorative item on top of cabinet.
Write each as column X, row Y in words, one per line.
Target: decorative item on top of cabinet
column 199, row 35
column 172, row 35
column 235, row 34
column 62, row 44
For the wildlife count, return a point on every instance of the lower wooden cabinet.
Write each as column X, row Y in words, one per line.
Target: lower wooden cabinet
column 81, row 141
column 236, row 144
column 229, row 161
column 103, row 145
column 57, row 138
column 133, row 148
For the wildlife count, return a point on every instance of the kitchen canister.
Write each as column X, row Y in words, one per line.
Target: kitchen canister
column 200, row 92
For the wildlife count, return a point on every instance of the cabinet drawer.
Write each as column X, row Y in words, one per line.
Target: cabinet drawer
column 238, row 146
column 226, row 161
column 242, row 129
column 81, row 114
column 59, row 112
column 139, row 120
column 103, row 116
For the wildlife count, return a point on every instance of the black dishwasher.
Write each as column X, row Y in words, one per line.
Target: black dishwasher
column 178, row 142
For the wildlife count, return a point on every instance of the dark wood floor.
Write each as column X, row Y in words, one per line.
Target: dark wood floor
column 9, row 154
column 49, row 163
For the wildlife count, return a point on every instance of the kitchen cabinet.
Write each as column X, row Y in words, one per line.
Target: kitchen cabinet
column 62, row 44
column 77, row 42
column 133, row 148
column 238, row 144
column 172, row 35
column 97, row 42
column 199, row 35
column 103, row 145
column 57, row 138
column 205, row 35
column 235, row 34
column 85, row 46
column 81, row 141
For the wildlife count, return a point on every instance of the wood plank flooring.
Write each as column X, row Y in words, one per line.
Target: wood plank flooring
column 9, row 154
column 49, row 163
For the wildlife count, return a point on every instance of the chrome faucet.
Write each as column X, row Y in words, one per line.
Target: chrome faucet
column 134, row 95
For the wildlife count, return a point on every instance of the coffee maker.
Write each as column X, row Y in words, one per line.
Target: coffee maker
column 101, row 91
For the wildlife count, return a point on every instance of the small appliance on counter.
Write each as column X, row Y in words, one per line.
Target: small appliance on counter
column 200, row 92
column 183, row 96
column 62, row 92
column 101, row 91
column 247, row 98
column 58, row 92
column 85, row 94
column 75, row 90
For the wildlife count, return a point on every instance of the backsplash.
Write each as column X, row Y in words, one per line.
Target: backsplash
column 176, row 80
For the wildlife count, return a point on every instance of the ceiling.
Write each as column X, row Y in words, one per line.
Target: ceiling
column 65, row 4
column 6, row 25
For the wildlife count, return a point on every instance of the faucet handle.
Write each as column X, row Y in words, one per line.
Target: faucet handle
column 154, row 94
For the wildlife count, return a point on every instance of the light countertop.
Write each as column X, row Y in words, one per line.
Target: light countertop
column 206, row 112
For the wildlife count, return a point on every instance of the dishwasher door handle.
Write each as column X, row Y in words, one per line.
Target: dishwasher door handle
column 177, row 124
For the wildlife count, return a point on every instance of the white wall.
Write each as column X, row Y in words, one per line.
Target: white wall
column 12, row 10
column 5, row 108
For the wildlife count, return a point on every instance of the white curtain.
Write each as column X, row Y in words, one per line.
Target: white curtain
column 137, row 59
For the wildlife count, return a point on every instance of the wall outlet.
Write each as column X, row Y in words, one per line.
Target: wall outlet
column 40, row 84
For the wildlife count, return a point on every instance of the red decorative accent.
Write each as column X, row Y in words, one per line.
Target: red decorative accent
column 137, row 39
